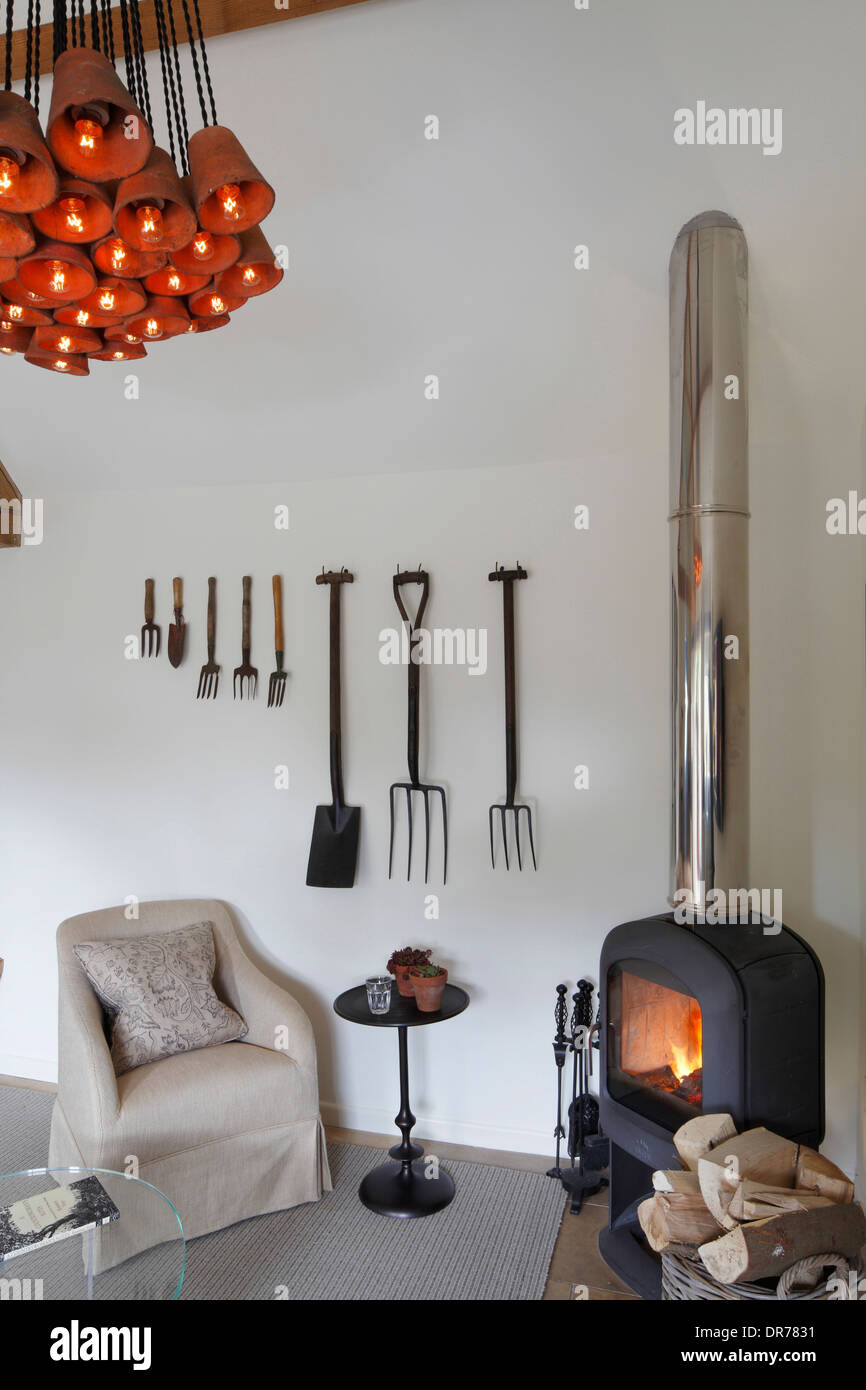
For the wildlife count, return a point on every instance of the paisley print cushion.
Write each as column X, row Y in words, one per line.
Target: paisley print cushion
column 159, row 994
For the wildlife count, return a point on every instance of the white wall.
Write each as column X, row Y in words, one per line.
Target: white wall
column 455, row 258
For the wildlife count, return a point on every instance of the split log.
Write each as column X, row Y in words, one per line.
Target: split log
column 815, row 1173
column 766, row 1158
column 676, row 1180
column 697, row 1137
column 765, row 1249
column 676, row 1219
column 754, row 1200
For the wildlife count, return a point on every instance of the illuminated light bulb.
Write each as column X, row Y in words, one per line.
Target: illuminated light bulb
column 64, row 345
column 131, row 338
column 74, row 209
column 89, row 136
column 229, row 196
column 58, row 277
column 193, row 326
column 251, row 276
column 174, row 281
column 10, row 352
column 149, row 220
column 37, row 298
column 107, row 301
column 119, row 355
column 202, row 246
column 118, row 254
column 153, row 328
column 61, row 366
column 6, row 326
column 9, row 173
column 217, row 305
column 15, row 311
column 82, row 318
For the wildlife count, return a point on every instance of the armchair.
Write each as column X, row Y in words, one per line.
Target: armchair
column 226, row 1132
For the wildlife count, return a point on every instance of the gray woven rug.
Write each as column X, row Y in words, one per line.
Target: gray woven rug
column 493, row 1242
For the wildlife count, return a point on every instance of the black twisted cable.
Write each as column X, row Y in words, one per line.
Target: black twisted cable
column 108, row 32
column 162, row 43
column 182, row 101
column 138, row 41
column 8, row 80
column 82, row 35
column 196, row 69
column 60, row 36
column 36, row 53
column 205, row 63
column 128, row 58
column 28, row 60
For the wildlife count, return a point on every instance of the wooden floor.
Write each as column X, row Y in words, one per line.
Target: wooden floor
column 577, row 1271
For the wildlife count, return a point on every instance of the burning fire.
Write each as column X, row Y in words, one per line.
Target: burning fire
column 688, row 1059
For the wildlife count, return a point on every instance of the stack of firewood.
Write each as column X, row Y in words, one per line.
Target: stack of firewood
column 750, row 1205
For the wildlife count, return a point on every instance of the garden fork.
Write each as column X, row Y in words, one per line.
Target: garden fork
column 208, row 681
column 507, row 579
column 245, row 672
column 277, row 682
column 414, row 783
column 150, row 633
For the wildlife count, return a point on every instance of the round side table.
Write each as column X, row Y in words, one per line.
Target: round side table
column 402, row 1188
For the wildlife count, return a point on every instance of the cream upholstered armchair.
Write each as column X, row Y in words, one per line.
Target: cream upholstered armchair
column 226, row 1132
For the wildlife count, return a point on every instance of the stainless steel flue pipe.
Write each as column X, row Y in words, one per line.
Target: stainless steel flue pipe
column 709, row 506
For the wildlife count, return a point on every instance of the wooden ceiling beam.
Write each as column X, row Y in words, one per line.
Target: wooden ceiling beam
column 217, row 17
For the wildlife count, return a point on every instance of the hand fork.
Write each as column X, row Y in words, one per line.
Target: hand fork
column 245, row 672
column 507, row 579
column 150, row 633
column 414, row 783
column 208, row 681
column 277, row 682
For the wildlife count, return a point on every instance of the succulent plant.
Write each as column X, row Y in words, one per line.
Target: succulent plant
column 427, row 970
column 408, row 956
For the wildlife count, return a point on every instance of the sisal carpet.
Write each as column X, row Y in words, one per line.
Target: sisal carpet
column 494, row 1242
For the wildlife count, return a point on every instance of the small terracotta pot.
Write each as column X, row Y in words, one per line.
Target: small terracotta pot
column 428, row 991
column 134, row 264
column 64, row 363
column 170, row 314
column 85, row 82
column 64, row 339
column 256, row 260
column 94, row 218
column 404, row 984
column 207, row 325
column 20, row 133
column 172, row 280
column 13, row 338
column 35, row 272
column 158, row 184
column 16, row 235
column 119, row 352
column 211, row 303
column 217, row 159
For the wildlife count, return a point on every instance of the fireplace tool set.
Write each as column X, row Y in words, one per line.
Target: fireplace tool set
column 588, row 1150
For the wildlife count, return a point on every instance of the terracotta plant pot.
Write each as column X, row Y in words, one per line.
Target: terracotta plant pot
column 428, row 991
column 404, row 984
column 86, row 85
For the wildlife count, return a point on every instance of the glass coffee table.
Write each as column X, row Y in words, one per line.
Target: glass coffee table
column 78, row 1264
column 403, row 1188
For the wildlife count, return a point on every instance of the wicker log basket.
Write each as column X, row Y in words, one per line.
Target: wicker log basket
column 687, row 1280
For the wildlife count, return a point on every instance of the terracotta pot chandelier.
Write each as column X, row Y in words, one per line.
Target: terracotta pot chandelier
column 109, row 242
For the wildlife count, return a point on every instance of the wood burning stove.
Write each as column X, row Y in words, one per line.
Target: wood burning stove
column 726, row 1018
column 705, row 1010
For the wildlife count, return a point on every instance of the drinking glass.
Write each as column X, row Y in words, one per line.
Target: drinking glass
column 379, row 993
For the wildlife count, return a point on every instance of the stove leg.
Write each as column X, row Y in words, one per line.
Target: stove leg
column 621, row 1245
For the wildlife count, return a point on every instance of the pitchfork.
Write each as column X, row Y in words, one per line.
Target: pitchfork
column 209, row 679
column 414, row 783
column 507, row 579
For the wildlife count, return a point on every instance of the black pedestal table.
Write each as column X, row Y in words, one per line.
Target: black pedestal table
column 402, row 1188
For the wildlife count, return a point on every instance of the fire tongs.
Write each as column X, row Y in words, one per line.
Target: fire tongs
column 508, row 578
column 414, row 783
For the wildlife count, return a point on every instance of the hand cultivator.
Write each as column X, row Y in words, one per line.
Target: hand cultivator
column 507, row 579
column 414, row 783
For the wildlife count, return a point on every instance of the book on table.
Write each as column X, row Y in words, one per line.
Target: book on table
column 70, row 1210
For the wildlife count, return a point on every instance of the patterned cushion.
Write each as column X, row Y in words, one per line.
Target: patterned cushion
column 159, row 994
